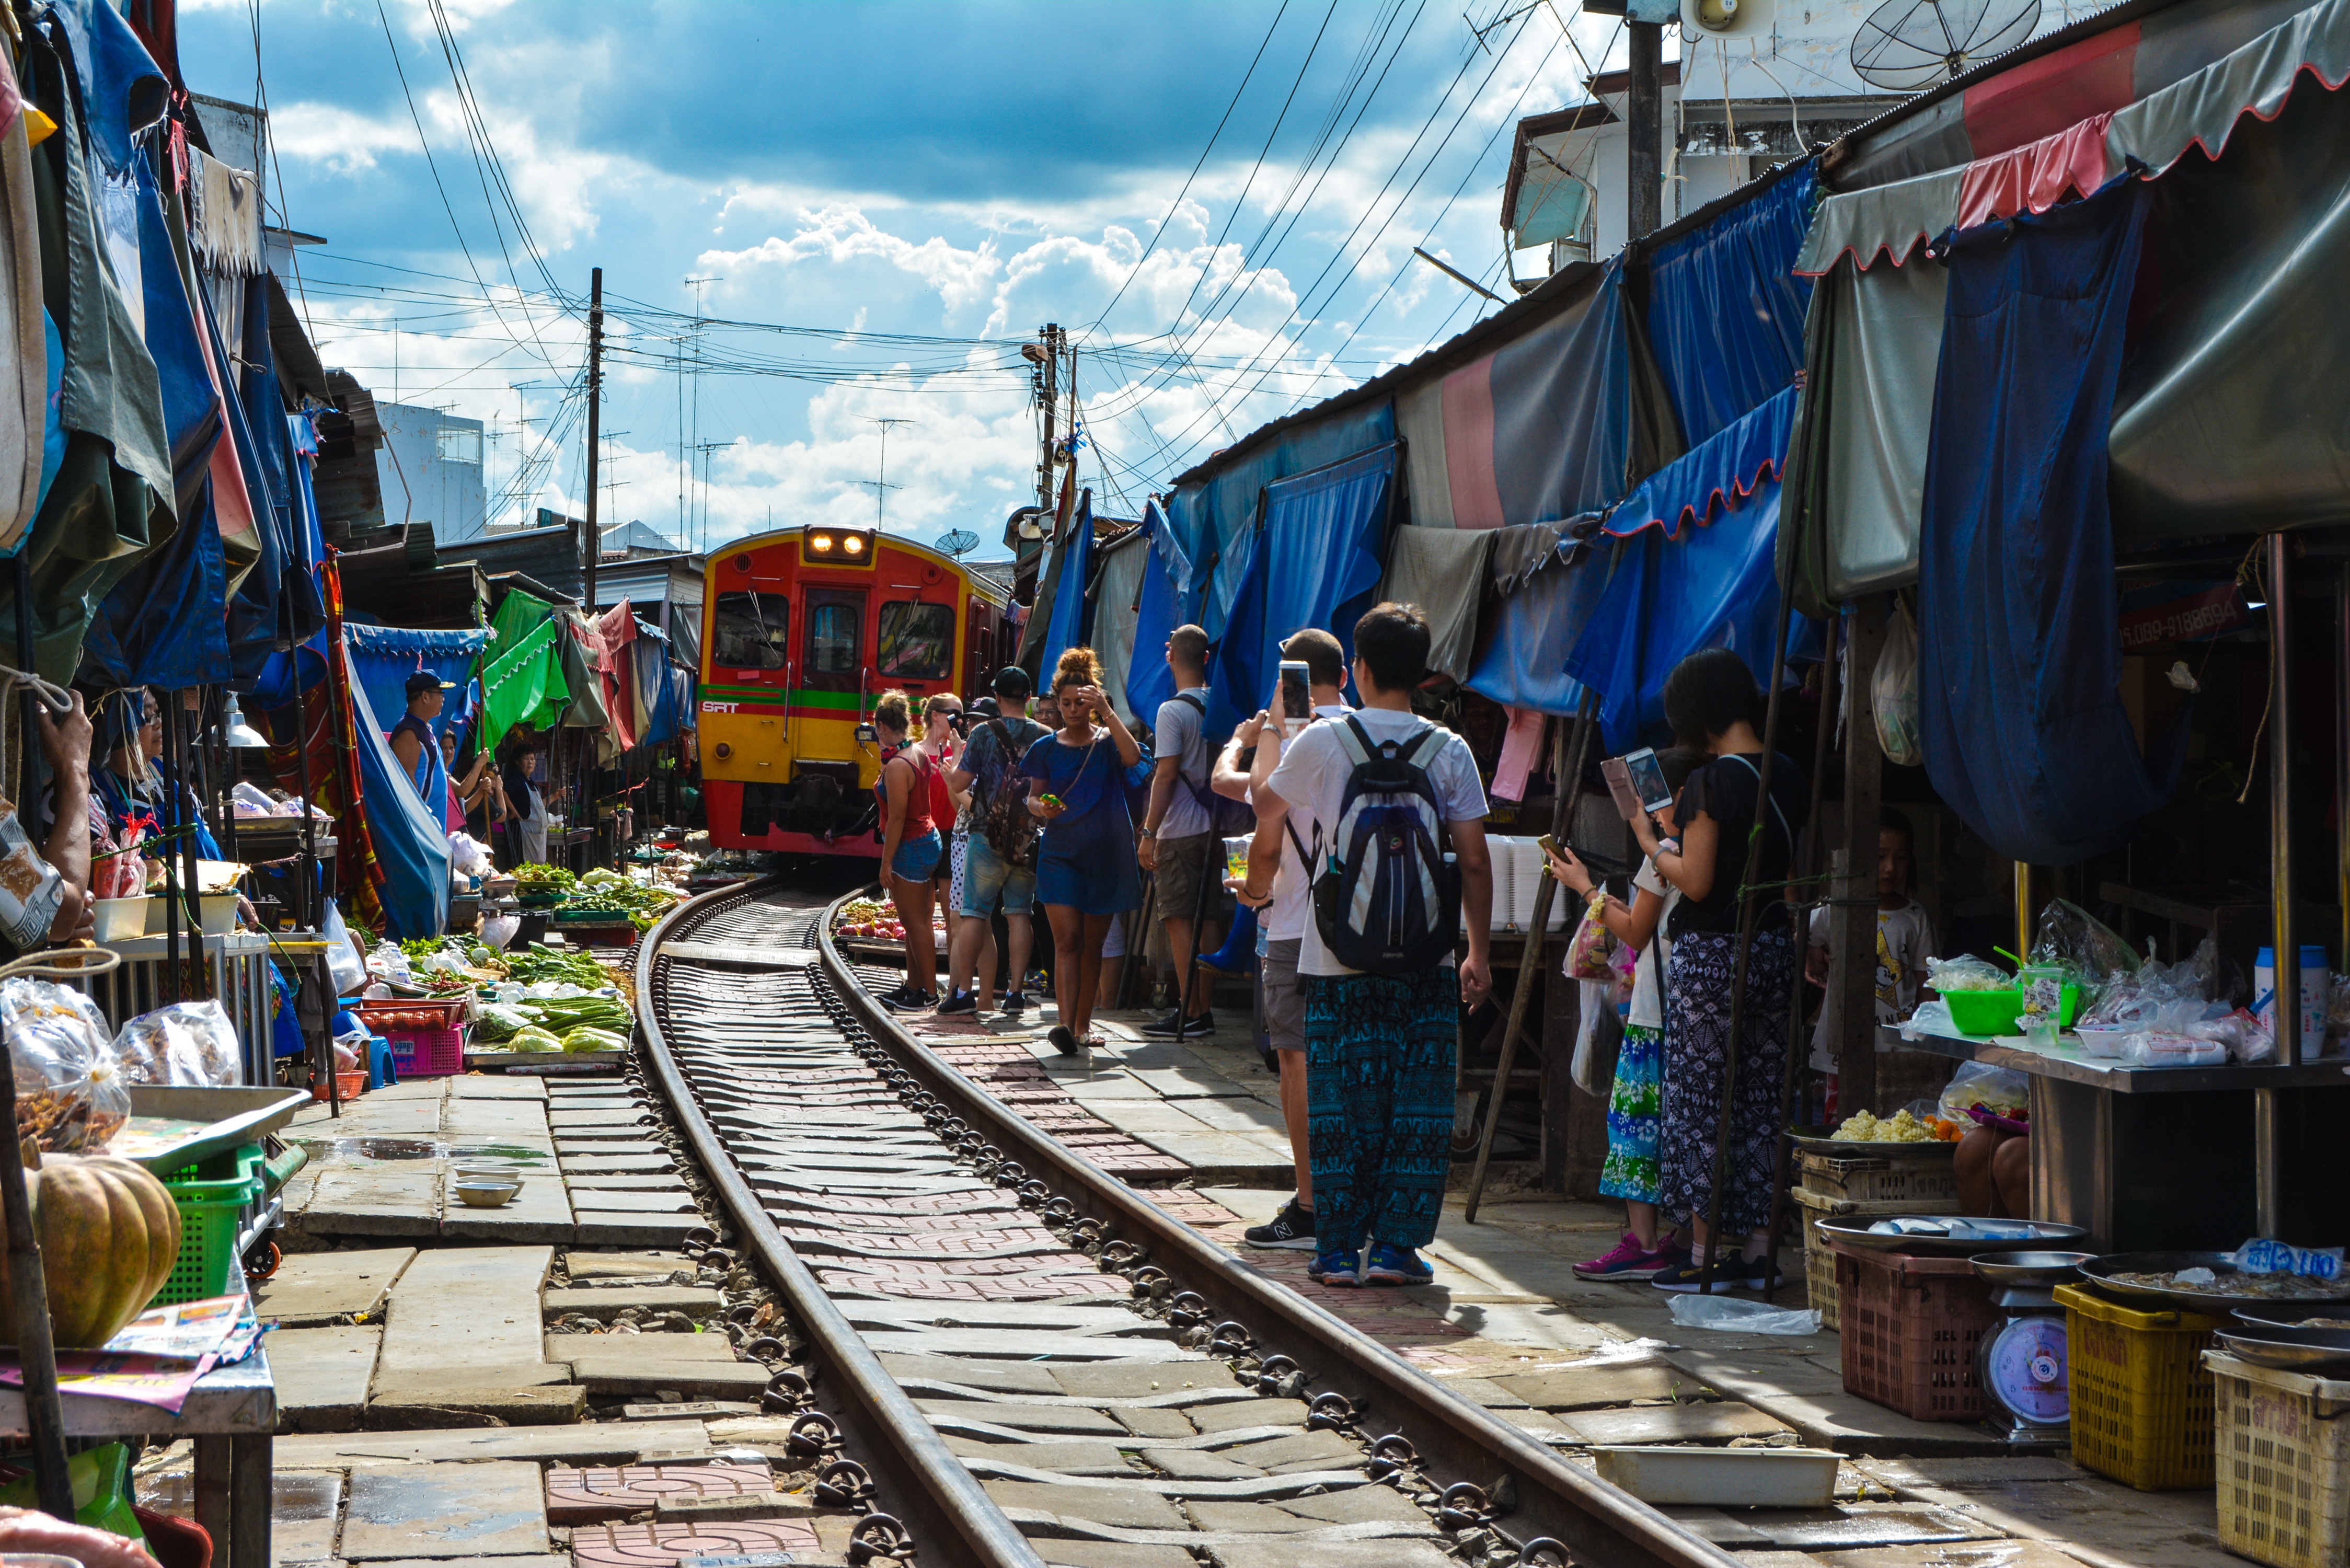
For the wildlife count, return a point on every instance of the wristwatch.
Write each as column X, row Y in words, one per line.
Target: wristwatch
column 1148, row 832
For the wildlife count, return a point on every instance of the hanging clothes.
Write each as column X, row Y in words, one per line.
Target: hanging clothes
column 2019, row 653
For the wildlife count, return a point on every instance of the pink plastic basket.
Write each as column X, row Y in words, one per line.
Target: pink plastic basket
column 426, row 1053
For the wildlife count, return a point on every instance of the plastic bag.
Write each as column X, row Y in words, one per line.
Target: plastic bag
column 1592, row 953
column 2074, row 940
column 1966, row 972
column 189, row 1044
column 1732, row 1314
column 343, row 965
column 2154, row 1049
column 497, row 931
column 470, row 855
column 69, row 1098
column 1893, row 691
column 1998, row 1090
column 31, row 889
column 500, row 1021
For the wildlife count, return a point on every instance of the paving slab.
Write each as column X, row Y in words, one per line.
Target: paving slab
column 1243, row 1413
column 656, row 1200
column 553, row 1403
column 665, row 1346
column 622, row 1182
column 312, row 1289
column 995, row 1376
column 444, row 1510
column 1591, row 1387
column 373, row 1202
column 1305, row 1451
column 610, row 1443
column 602, row 1301
column 1398, row 1553
column 616, row 1163
column 304, row 1507
column 653, row 1268
column 576, row 1496
column 1672, row 1424
column 1074, row 1457
column 640, row 1373
column 1114, row 1380
column 1116, row 1554
column 1125, row 1508
column 1192, row 1464
column 613, row 1229
column 322, row 1376
column 540, row 1212
column 465, row 1316
column 495, row 1086
column 1954, row 1554
column 661, row 1545
column 1070, row 1419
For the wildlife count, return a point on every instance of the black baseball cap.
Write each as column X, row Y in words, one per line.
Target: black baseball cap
column 424, row 680
column 1012, row 683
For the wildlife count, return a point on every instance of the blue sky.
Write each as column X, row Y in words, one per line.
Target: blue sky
column 912, row 187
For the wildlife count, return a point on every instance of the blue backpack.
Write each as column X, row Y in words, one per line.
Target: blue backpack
column 1386, row 901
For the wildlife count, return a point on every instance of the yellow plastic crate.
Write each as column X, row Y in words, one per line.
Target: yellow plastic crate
column 2284, row 1464
column 2141, row 1394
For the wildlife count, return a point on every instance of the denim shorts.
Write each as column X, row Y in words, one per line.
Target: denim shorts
column 917, row 857
column 986, row 880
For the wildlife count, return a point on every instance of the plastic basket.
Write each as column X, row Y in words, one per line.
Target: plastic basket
column 426, row 1053
column 450, row 1014
column 1910, row 1328
column 2142, row 1408
column 1819, row 1261
column 2283, row 1468
column 212, row 1199
column 1909, row 1181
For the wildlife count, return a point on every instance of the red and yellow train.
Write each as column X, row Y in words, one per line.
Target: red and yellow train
column 803, row 629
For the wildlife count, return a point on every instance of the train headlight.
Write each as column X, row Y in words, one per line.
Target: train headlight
column 839, row 546
column 820, row 544
column 853, row 544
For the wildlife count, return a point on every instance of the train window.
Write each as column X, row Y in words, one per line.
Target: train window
column 750, row 631
column 835, row 627
column 917, row 641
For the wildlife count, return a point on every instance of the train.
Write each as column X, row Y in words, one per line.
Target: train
column 803, row 630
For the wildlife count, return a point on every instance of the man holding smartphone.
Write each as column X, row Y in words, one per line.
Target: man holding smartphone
column 1177, row 843
column 1281, row 928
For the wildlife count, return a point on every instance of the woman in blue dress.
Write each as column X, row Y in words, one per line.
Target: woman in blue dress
column 1086, row 870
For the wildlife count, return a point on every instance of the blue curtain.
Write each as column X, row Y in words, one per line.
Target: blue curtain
column 1228, row 503
column 190, row 408
column 1071, row 622
column 2020, row 656
column 1713, row 587
column 1523, row 664
column 383, row 657
column 410, row 840
column 1317, row 562
column 1726, row 314
column 1695, row 487
column 650, row 652
column 1148, row 681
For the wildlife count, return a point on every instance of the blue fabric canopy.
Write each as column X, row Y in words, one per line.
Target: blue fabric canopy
column 383, row 657
column 1722, row 471
column 411, row 842
column 1317, row 562
column 2020, row 657
column 1524, row 661
column 1725, row 310
column 1713, row 587
column 1071, row 623
column 191, row 406
column 1148, row 680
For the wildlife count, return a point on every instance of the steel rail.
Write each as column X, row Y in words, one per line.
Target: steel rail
column 940, row 1502
column 1599, row 1523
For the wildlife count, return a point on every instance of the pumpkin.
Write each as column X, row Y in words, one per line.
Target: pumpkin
column 109, row 1234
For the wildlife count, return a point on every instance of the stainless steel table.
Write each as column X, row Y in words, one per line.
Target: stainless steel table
column 2148, row 1159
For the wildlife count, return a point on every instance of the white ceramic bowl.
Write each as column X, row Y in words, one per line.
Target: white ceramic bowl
column 487, row 1194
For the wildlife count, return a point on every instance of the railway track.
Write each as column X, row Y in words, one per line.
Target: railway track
column 1008, row 1353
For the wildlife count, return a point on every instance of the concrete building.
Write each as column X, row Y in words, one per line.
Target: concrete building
column 430, row 471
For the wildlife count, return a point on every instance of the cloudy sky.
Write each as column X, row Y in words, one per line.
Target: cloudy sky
column 1219, row 201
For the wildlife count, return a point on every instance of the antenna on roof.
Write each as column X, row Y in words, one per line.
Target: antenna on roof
column 958, row 542
column 1908, row 46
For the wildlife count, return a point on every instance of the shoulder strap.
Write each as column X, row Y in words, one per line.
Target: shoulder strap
column 1785, row 831
column 1192, row 700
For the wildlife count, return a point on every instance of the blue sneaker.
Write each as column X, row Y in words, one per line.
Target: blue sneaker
column 1396, row 1266
column 1333, row 1268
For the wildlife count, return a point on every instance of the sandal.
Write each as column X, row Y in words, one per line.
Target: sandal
column 1065, row 1040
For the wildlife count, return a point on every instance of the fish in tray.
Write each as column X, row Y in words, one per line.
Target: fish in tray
column 2262, row 1287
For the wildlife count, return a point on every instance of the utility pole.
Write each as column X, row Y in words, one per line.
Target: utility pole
column 1044, row 356
column 593, row 544
column 1644, row 125
column 883, row 486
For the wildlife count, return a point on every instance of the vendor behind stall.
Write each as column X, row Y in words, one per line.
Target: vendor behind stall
column 414, row 744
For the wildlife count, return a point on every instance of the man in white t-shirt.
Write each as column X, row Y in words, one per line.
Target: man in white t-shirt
column 1176, row 843
column 1282, row 920
column 1380, row 1048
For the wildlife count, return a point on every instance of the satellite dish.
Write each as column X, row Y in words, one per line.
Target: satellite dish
column 1726, row 18
column 1908, row 46
column 958, row 542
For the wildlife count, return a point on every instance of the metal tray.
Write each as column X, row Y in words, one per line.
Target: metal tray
column 2028, row 1268
column 223, row 1119
column 2285, row 1314
column 2100, row 1272
column 2318, row 1351
column 1856, row 1232
column 1846, row 1149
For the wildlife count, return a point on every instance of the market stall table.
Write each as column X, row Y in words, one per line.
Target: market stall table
column 230, row 1414
column 2148, row 1159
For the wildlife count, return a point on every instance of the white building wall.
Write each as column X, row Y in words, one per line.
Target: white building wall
column 424, row 471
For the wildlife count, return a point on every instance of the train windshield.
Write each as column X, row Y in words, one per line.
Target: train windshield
column 834, row 635
column 917, row 641
column 750, row 631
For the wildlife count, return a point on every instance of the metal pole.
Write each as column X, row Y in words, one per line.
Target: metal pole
column 592, row 546
column 1740, row 961
column 1569, row 787
column 1644, row 124
column 29, row 1291
column 2269, row 1189
column 2342, row 760
column 1829, row 697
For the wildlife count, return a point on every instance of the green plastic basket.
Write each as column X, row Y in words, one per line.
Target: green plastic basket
column 212, row 1197
column 1997, row 1011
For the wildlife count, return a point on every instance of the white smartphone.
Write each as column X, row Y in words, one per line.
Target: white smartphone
column 1296, row 695
column 1648, row 776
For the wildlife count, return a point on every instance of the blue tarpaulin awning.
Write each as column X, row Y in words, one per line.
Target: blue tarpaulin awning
column 1316, row 562
column 383, row 657
column 1523, row 664
column 1159, row 611
column 1726, row 311
column 410, row 840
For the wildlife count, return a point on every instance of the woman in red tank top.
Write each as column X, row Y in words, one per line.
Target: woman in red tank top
column 911, row 847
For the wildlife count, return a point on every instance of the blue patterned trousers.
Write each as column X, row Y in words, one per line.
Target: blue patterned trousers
column 1379, row 1052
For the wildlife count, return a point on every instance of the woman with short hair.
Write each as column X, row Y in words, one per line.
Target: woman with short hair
column 911, row 847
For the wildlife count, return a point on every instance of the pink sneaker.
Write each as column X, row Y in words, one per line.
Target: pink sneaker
column 1629, row 1261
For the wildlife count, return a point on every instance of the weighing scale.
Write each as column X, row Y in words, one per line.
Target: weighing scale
column 2021, row 1363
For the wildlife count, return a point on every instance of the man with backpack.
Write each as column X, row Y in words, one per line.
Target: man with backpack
column 1177, row 841
column 1000, row 861
column 1386, row 789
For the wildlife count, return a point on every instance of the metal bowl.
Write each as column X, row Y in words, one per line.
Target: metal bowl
column 2314, row 1350
column 2100, row 1272
column 2028, row 1268
column 1846, row 1148
column 2283, row 1315
column 1856, row 1232
column 486, row 1194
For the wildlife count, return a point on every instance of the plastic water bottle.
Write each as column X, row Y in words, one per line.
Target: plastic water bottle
column 2316, row 989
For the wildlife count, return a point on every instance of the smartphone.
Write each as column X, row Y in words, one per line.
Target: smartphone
column 1648, row 776
column 1296, row 695
column 1619, row 784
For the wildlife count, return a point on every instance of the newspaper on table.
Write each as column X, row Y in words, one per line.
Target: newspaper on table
column 159, row 1358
